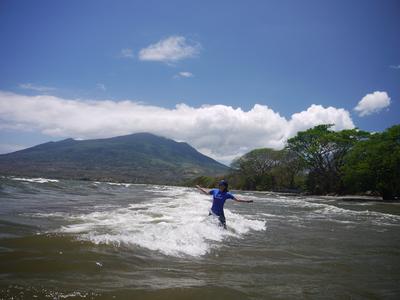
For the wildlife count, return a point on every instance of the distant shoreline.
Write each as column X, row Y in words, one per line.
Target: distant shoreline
column 349, row 198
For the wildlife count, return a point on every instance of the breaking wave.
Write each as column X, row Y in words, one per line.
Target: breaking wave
column 176, row 223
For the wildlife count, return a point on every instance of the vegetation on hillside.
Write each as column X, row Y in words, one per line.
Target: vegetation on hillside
column 138, row 158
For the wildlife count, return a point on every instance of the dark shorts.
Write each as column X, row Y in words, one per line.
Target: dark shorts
column 221, row 219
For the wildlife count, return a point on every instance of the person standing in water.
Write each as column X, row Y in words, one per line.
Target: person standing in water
column 220, row 195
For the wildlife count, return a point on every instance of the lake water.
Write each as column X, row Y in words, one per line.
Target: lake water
column 92, row 240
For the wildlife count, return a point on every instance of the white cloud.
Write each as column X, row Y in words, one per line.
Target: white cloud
column 169, row 50
column 220, row 131
column 395, row 66
column 37, row 88
column 317, row 114
column 372, row 103
column 184, row 75
column 126, row 53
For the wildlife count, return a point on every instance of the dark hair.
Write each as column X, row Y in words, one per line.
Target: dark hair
column 224, row 183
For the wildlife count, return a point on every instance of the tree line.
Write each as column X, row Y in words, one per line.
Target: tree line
column 323, row 161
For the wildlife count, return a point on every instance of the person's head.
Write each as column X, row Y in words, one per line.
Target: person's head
column 223, row 186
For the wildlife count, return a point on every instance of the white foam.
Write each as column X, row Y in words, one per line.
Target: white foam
column 375, row 217
column 272, row 215
column 37, row 180
column 289, row 203
column 333, row 213
column 119, row 184
column 47, row 215
column 175, row 225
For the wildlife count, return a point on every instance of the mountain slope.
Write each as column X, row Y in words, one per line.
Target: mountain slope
column 140, row 157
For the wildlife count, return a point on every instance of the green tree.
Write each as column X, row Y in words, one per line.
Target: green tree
column 322, row 152
column 374, row 164
column 255, row 168
column 265, row 169
column 289, row 172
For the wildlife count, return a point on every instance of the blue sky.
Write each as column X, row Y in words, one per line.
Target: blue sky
column 287, row 55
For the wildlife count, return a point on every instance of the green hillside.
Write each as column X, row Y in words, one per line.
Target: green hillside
column 141, row 158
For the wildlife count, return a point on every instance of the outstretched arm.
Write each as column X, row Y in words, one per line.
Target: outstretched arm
column 239, row 200
column 204, row 191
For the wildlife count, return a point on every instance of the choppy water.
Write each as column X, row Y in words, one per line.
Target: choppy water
column 76, row 239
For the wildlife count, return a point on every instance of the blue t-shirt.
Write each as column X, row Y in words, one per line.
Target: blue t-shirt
column 219, row 199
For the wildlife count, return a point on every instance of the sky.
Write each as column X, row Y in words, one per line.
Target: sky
column 224, row 76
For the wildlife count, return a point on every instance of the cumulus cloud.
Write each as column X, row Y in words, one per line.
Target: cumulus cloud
column 170, row 50
column 220, row 131
column 372, row 103
column 126, row 53
column 36, row 88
